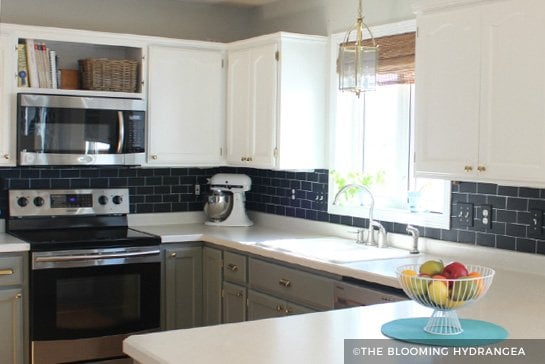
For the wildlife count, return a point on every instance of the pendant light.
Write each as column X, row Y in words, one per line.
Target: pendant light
column 357, row 63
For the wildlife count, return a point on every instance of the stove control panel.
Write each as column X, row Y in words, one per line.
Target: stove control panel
column 69, row 202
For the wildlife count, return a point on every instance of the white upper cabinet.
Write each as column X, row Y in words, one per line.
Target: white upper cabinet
column 513, row 91
column 7, row 128
column 251, row 106
column 71, row 46
column 447, row 93
column 185, row 106
column 480, row 88
column 276, row 102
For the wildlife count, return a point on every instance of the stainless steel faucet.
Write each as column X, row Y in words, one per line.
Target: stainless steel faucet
column 372, row 223
column 415, row 233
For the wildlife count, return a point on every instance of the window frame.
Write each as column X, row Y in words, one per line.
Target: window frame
column 426, row 219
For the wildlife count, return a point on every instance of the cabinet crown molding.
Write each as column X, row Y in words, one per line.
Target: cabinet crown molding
column 422, row 6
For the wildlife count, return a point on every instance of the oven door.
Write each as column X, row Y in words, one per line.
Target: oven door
column 84, row 303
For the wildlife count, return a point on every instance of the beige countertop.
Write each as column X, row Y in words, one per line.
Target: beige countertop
column 10, row 244
column 514, row 301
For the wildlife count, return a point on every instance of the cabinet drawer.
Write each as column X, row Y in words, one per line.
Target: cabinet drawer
column 234, row 267
column 11, row 271
column 291, row 283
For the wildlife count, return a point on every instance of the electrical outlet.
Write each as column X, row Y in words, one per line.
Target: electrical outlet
column 536, row 222
column 486, row 216
column 464, row 214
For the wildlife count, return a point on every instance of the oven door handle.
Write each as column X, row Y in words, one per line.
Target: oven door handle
column 71, row 258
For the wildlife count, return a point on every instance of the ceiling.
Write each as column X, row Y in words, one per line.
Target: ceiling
column 235, row 2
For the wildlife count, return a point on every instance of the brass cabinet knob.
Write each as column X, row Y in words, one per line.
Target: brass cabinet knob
column 243, row 159
column 468, row 168
column 6, row 156
column 284, row 282
column 240, row 294
column 172, row 255
column 249, row 159
column 232, row 267
column 481, row 168
column 279, row 308
column 154, row 157
column 18, row 296
column 6, row 272
column 288, row 310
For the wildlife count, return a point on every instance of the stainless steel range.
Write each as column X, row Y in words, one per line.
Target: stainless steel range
column 93, row 280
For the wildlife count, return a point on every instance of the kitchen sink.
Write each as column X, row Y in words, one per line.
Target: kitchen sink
column 333, row 250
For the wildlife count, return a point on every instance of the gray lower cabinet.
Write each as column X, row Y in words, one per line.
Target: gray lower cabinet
column 234, row 303
column 212, row 281
column 302, row 287
column 13, row 308
column 183, row 286
column 262, row 306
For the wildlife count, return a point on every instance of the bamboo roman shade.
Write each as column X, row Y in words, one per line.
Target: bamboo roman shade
column 396, row 58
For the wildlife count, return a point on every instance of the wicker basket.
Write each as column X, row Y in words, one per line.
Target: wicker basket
column 109, row 74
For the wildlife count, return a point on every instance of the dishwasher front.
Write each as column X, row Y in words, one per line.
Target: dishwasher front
column 352, row 294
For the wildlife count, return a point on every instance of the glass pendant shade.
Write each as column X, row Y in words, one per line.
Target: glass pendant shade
column 357, row 67
column 357, row 63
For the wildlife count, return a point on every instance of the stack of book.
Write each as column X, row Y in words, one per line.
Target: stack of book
column 37, row 65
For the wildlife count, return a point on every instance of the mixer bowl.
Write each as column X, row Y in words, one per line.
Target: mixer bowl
column 219, row 205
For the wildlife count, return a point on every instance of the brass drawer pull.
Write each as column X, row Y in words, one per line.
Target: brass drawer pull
column 240, row 294
column 279, row 308
column 6, row 272
column 468, row 168
column 481, row 168
column 232, row 267
column 284, row 282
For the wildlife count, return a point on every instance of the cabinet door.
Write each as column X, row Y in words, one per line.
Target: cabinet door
column 183, row 287
column 513, row 91
column 261, row 306
column 234, row 303
column 264, row 76
column 251, row 107
column 11, row 321
column 212, row 279
column 238, row 107
column 7, row 127
column 185, row 109
column 447, row 93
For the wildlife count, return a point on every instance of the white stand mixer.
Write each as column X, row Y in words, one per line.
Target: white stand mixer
column 237, row 185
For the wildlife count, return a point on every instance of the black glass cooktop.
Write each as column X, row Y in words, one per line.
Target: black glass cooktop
column 84, row 238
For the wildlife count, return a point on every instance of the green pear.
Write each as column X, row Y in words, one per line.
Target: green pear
column 431, row 267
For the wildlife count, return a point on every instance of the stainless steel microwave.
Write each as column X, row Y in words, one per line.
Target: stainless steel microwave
column 73, row 130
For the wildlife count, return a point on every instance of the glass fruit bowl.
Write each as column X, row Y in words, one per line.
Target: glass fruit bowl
column 444, row 295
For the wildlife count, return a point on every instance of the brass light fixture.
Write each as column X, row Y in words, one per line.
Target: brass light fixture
column 357, row 63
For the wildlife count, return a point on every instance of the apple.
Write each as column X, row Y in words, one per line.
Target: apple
column 431, row 267
column 454, row 270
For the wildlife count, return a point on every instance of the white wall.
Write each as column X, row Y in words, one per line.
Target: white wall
column 168, row 18
column 324, row 17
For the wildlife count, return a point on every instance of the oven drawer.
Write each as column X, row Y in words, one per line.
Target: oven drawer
column 11, row 270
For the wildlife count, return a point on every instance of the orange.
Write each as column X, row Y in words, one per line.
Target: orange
column 478, row 282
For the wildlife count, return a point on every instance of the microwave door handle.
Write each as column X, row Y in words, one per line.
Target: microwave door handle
column 121, row 127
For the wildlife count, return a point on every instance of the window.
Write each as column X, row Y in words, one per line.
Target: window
column 372, row 141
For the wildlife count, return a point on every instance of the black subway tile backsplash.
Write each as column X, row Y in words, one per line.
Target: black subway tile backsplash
column 295, row 194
